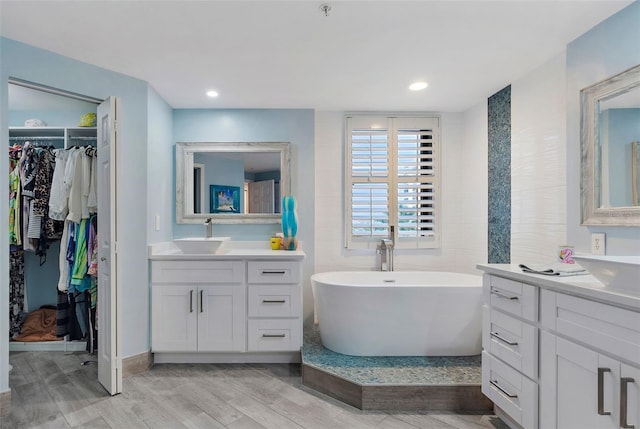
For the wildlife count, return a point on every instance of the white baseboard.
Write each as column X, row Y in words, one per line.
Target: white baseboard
column 203, row 357
column 47, row 346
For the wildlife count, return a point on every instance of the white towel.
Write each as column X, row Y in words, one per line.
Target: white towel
column 555, row 269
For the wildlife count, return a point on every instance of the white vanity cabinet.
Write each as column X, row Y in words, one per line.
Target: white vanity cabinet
column 242, row 306
column 510, row 343
column 590, row 364
column 560, row 353
column 198, row 306
column 274, row 306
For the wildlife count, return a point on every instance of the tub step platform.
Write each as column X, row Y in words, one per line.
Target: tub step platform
column 394, row 383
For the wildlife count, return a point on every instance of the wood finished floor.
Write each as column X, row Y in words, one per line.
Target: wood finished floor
column 53, row 390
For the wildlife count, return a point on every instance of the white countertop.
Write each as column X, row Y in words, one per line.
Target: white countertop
column 585, row 286
column 168, row 251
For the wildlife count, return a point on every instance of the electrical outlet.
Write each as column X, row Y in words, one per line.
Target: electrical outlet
column 598, row 243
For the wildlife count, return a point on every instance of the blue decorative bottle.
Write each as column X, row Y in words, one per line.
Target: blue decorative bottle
column 289, row 222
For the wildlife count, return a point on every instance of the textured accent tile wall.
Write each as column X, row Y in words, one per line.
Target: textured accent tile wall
column 499, row 145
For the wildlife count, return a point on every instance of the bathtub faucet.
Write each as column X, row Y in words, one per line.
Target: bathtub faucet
column 385, row 249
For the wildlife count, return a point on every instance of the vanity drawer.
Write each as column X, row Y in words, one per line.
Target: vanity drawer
column 271, row 335
column 274, row 301
column 518, row 299
column 270, row 272
column 511, row 340
column 197, row 272
column 510, row 390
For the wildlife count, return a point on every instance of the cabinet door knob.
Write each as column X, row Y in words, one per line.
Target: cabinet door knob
column 624, row 381
column 601, row 410
column 191, row 301
column 201, row 305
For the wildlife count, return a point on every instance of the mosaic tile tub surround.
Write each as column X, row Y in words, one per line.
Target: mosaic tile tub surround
column 380, row 370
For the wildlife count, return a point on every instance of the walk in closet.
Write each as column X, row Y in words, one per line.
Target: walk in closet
column 53, row 222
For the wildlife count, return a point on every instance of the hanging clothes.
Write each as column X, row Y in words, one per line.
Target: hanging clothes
column 53, row 196
column 58, row 197
column 16, row 292
column 15, row 196
column 28, row 166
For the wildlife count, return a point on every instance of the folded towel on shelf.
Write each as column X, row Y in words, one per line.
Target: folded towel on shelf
column 556, row 269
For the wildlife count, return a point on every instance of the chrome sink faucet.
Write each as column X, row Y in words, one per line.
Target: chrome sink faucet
column 209, row 224
column 385, row 249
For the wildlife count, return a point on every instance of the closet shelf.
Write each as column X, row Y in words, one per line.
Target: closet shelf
column 66, row 134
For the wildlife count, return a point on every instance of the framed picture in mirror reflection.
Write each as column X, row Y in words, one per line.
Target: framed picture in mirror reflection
column 224, row 199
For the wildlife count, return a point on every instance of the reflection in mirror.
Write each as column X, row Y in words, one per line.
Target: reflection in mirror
column 610, row 126
column 256, row 175
column 619, row 126
column 231, row 182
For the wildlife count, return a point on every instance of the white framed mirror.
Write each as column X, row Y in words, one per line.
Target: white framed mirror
column 231, row 182
column 610, row 130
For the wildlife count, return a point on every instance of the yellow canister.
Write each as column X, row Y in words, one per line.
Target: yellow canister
column 275, row 243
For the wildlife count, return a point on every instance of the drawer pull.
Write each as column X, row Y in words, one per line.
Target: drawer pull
column 268, row 272
column 624, row 381
column 500, row 294
column 494, row 383
column 501, row 338
column 601, row 410
column 201, row 304
column 273, row 335
column 273, row 301
column 191, row 301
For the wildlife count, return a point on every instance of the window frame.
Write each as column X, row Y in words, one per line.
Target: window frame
column 392, row 122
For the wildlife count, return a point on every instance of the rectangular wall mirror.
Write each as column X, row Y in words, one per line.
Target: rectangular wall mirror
column 238, row 182
column 609, row 135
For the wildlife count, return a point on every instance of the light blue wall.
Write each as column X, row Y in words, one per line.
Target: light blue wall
column 36, row 65
column 607, row 49
column 160, row 171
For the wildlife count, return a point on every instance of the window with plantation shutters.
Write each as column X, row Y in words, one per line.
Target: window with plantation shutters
column 392, row 177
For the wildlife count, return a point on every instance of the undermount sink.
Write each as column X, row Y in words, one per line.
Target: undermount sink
column 200, row 245
column 615, row 272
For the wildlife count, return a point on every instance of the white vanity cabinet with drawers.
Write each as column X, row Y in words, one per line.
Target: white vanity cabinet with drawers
column 510, row 348
column 236, row 307
column 560, row 353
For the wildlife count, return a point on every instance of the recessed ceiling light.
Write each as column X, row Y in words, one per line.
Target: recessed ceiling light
column 212, row 94
column 417, row 86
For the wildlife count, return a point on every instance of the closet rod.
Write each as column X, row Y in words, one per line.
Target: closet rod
column 83, row 138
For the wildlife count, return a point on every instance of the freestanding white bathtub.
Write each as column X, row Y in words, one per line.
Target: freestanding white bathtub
column 415, row 313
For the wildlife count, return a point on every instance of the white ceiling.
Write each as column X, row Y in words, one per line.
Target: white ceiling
column 287, row 54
